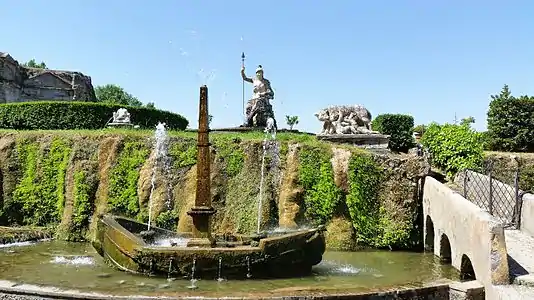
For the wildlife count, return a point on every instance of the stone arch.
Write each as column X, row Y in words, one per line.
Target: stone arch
column 445, row 255
column 466, row 269
column 429, row 234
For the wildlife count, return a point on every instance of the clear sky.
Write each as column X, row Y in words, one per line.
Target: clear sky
column 430, row 59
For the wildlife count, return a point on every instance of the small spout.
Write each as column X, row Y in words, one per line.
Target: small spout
column 219, row 278
column 249, row 275
column 170, row 268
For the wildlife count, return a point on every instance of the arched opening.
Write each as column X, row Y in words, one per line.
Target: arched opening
column 429, row 234
column 467, row 272
column 445, row 250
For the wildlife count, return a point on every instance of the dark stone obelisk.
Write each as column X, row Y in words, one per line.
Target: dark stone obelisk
column 202, row 211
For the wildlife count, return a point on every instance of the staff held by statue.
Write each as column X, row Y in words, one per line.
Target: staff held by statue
column 243, row 67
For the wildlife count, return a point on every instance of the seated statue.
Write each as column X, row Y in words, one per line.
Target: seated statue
column 345, row 119
column 259, row 108
column 121, row 116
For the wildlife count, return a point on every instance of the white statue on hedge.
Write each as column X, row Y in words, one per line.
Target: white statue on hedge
column 121, row 116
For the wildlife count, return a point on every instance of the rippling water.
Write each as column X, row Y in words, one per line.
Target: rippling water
column 78, row 266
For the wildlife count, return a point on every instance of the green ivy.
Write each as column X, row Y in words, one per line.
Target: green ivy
column 453, row 147
column 362, row 199
column 316, row 175
column 41, row 191
column 184, row 153
column 233, row 156
column 392, row 232
column 167, row 220
column 123, row 198
column 84, row 190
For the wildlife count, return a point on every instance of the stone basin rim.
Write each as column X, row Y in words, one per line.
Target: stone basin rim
column 14, row 289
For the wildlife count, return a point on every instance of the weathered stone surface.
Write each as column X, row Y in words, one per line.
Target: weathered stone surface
column 367, row 140
column 291, row 192
column 345, row 119
column 21, row 84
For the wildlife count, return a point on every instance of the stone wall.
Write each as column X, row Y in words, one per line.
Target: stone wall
column 22, row 84
column 90, row 174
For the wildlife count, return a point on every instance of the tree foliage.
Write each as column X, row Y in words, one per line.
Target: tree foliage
column 111, row 93
column 292, row 121
column 400, row 129
column 511, row 122
column 33, row 64
column 453, row 147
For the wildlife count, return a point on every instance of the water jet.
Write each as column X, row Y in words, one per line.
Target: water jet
column 127, row 245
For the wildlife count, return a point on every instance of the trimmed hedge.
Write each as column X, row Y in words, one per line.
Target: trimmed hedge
column 511, row 123
column 80, row 115
column 399, row 127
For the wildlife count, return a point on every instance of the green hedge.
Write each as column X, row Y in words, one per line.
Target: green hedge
column 511, row 123
column 453, row 147
column 80, row 115
column 399, row 127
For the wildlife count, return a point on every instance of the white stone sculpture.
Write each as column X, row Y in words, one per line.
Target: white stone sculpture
column 345, row 119
column 121, row 116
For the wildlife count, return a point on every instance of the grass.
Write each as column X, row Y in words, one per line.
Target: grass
column 249, row 136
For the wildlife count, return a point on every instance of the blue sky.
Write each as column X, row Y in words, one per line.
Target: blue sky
column 430, row 59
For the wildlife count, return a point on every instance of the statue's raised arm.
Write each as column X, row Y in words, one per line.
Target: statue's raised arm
column 244, row 76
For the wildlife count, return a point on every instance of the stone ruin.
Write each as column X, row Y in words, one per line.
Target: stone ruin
column 350, row 124
column 22, row 84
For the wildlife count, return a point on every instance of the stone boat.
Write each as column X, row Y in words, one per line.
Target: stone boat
column 127, row 245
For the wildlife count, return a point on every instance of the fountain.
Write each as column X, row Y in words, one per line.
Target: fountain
column 129, row 246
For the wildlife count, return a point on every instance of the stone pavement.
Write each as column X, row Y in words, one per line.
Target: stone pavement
column 520, row 248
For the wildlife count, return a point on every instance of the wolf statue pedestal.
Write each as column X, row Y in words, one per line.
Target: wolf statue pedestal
column 350, row 124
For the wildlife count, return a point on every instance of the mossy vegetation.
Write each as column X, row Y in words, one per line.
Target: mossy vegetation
column 183, row 152
column 230, row 152
column 362, row 199
column 122, row 193
column 316, row 175
column 43, row 193
column 83, row 207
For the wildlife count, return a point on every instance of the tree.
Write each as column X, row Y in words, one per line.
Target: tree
column 292, row 121
column 467, row 121
column 421, row 128
column 32, row 64
column 150, row 105
column 210, row 118
column 111, row 93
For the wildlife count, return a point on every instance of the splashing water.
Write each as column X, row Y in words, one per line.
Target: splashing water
column 270, row 131
column 161, row 146
column 75, row 260
column 171, row 242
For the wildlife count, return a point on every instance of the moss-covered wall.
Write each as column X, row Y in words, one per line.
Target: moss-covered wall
column 63, row 179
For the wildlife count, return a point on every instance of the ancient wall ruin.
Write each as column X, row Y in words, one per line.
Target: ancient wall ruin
column 22, row 84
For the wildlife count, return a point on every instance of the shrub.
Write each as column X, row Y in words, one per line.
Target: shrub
column 399, row 127
column 79, row 115
column 511, row 122
column 453, row 147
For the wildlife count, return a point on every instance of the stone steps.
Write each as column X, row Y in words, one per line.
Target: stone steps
column 520, row 248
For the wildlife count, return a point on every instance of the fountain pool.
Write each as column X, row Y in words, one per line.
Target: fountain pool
column 77, row 266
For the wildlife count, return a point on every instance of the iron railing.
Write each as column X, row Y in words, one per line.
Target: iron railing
column 498, row 194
